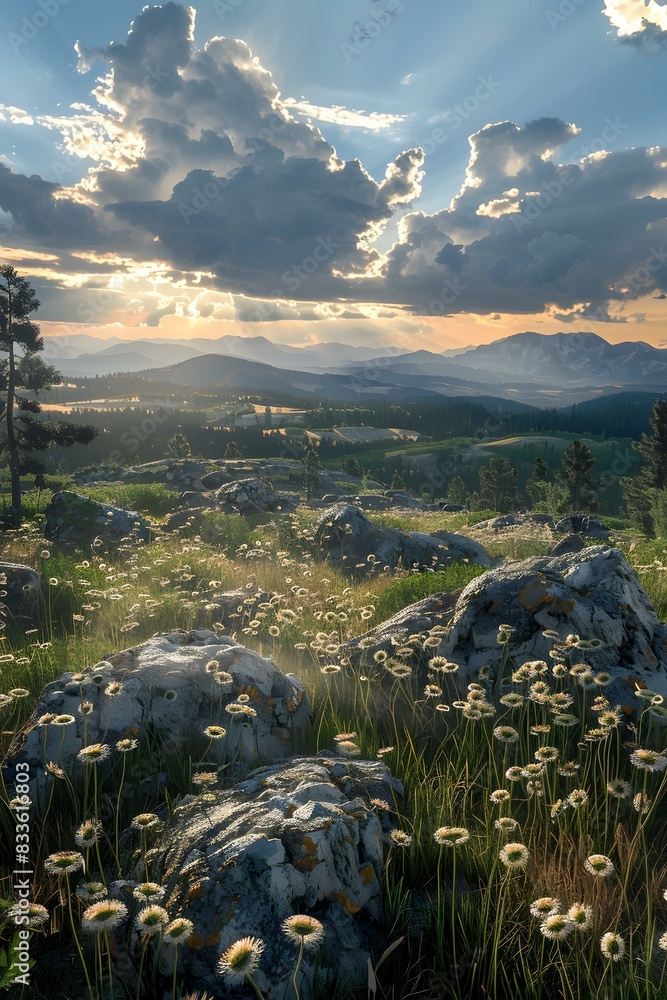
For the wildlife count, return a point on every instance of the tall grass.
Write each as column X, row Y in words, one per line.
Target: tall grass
column 459, row 917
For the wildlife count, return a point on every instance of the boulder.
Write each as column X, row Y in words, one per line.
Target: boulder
column 570, row 543
column 76, row 520
column 582, row 524
column 350, row 540
column 594, row 593
column 300, row 836
column 509, row 522
column 214, row 480
column 186, row 474
column 197, row 501
column 419, row 618
column 19, row 592
column 452, row 508
column 168, row 684
column 251, row 496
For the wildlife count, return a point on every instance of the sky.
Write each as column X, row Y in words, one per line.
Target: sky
column 372, row 172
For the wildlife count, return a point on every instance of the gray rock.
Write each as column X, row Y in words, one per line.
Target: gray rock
column 167, row 684
column 186, row 474
column 214, row 480
column 197, row 501
column 76, row 520
column 296, row 837
column 568, row 544
column 234, row 605
column 583, row 524
column 432, row 611
column 595, row 594
column 452, row 508
column 350, row 540
column 19, row 592
column 251, row 496
column 510, row 521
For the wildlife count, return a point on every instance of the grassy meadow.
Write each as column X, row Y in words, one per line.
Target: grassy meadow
column 530, row 852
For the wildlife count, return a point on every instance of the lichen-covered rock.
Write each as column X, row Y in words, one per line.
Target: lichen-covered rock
column 350, row 540
column 594, row 593
column 19, row 592
column 583, row 524
column 297, row 837
column 177, row 684
column 434, row 611
column 251, row 496
column 509, row 522
column 76, row 520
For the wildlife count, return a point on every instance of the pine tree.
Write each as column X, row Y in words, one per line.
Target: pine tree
column 457, row 491
column 310, row 460
column 578, row 461
column 536, row 482
column 644, row 492
column 179, row 446
column 23, row 375
column 653, row 448
column 232, row 450
column 499, row 486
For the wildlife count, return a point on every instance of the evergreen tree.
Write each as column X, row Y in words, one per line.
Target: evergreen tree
column 644, row 493
column 232, row 450
column 351, row 466
column 310, row 460
column 578, row 461
column 535, row 484
column 23, row 375
column 179, row 446
column 653, row 448
column 457, row 491
column 499, row 486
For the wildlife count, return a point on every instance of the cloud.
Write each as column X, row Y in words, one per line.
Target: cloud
column 343, row 117
column 202, row 175
column 17, row 116
column 639, row 23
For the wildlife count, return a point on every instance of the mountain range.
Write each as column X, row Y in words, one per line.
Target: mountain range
column 538, row 369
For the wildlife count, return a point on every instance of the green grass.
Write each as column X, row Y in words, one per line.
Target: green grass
column 151, row 499
column 400, row 593
column 447, row 908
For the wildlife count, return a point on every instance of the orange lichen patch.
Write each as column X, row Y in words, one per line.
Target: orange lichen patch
column 290, row 811
column 196, row 942
column 348, row 904
column 367, row 874
column 533, row 594
column 196, row 891
column 306, row 864
column 130, row 732
column 291, row 707
column 282, row 735
column 638, row 682
column 309, row 845
column 627, row 710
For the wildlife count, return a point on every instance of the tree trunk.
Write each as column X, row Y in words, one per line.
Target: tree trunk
column 12, row 449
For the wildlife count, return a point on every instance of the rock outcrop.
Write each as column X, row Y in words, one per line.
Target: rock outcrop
column 350, row 540
column 297, row 837
column 594, row 593
column 251, row 496
column 72, row 519
column 178, row 684
column 19, row 592
column 582, row 524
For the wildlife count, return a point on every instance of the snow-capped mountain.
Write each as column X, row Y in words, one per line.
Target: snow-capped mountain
column 575, row 358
